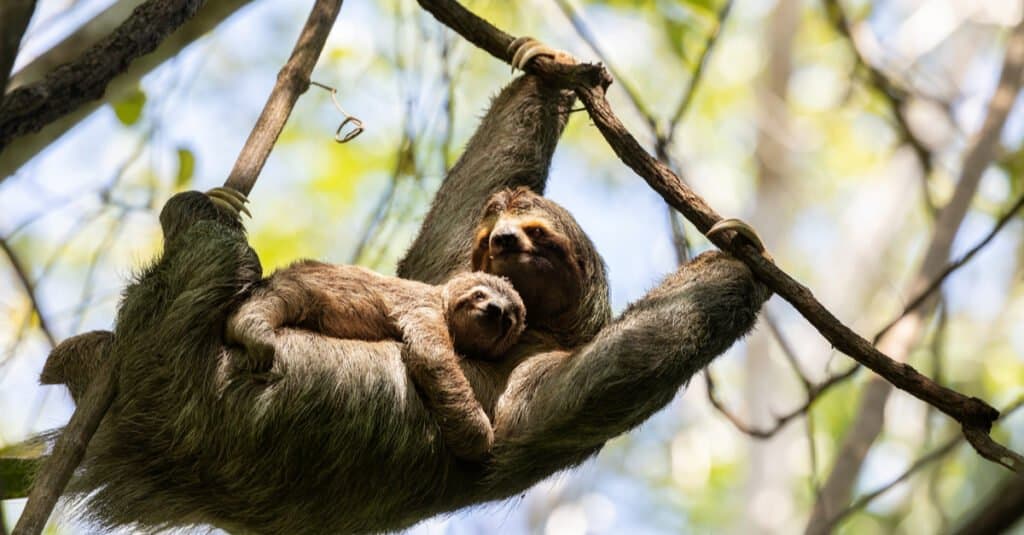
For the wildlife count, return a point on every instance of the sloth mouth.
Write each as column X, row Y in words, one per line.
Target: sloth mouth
column 513, row 254
column 520, row 258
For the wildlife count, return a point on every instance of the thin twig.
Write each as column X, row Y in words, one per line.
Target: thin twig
column 583, row 30
column 927, row 459
column 788, row 351
column 292, row 81
column 894, row 96
column 30, row 290
column 698, row 73
column 927, row 292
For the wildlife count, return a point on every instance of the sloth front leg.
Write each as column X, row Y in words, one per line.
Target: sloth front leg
column 253, row 326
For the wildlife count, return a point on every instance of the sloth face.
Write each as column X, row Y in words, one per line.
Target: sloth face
column 523, row 237
column 485, row 315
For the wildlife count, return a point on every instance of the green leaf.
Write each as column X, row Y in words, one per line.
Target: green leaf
column 129, row 109
column 16, row 476
column 186, row 168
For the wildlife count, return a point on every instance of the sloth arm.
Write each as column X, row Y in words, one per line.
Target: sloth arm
column 512, row 147
column 430, row 357
column 560, row 407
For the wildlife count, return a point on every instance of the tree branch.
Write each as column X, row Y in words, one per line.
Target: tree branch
column 589, row 82
column 71, row 445
column 292, row 81
column 24, row 147
column 815, row 391
column 68, row 452
column 67, row 50
column 29, row 108
column 15, row 14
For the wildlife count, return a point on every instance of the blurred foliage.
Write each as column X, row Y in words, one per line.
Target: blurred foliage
column 129, row 108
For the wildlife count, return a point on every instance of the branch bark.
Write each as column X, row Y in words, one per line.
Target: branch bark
column 58, row 468
column 903, row 335
column 589, row 82
column 292, row 81
column 87, row 35
column 24, row 147
column 15, row 14
column 29, row 108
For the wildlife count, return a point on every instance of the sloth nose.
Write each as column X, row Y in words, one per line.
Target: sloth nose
column 493, row 310
column 506, row 240
column 507, row 322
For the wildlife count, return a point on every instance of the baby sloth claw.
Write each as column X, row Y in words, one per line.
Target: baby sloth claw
column 743, row 229
column 524, row 49
column 230, row 200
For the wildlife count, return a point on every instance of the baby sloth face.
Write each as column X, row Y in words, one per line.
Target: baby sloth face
column 485, row 315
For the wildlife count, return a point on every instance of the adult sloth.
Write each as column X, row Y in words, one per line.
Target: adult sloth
column 340, row 441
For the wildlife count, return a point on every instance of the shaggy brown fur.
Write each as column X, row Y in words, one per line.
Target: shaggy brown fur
column 538, row 246
column 341, row 442
column 476, row 314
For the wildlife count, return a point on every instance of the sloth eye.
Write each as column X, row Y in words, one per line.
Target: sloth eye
column 534, row 232
column 479, row 295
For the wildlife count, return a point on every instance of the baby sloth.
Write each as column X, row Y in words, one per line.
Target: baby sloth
column 474, row 314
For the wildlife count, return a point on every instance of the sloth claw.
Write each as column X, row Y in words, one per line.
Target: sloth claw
column 741, row 228
column 524, row 49
column 229, row 199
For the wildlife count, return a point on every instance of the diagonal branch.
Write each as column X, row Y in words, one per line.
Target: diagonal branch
column 815, row 391
column 292, row 81
column 30, row 290
column 15, row 15
column 70, row 447
column 589, row 82
column 23, row 148
column 29, row 108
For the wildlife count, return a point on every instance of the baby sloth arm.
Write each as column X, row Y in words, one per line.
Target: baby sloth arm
column 284, row 300
column 479, row 315
column 430, row 358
